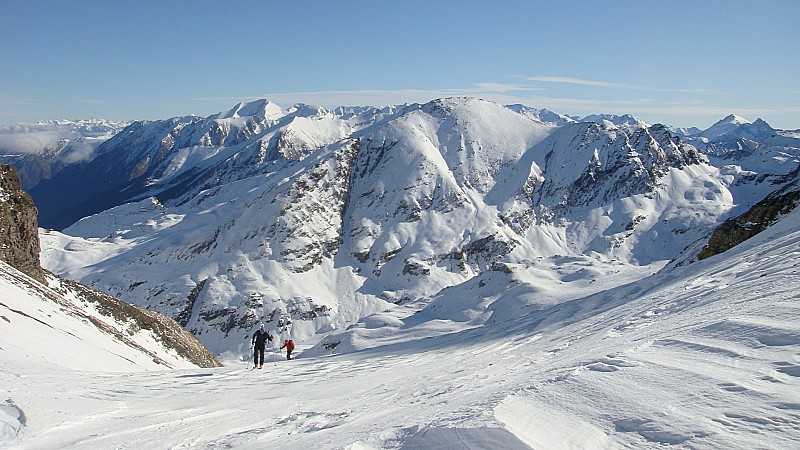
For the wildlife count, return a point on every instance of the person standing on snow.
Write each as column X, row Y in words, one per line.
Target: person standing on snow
column 289, row 347
column 260, row 339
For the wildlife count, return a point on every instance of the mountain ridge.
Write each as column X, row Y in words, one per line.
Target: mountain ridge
column 389, row 206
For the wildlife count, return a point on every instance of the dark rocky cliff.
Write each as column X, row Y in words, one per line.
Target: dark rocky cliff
column 19, row 233
column 738, row 229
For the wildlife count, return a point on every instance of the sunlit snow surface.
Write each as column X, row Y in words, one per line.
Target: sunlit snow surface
column 703, row 356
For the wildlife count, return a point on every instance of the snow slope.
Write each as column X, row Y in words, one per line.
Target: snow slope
column 57, row 327
column 699, row 356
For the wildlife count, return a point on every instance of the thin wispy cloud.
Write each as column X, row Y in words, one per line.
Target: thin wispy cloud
column 16, row 101
column 578, row 81
column 608, row 84
column 502, row 87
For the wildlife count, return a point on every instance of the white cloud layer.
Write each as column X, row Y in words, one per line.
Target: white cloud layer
column 27, row 142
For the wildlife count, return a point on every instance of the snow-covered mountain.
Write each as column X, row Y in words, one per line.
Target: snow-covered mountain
column 40, row 150
column 310, row 220
column 734, row 137
column 544, row 115
column 613, row 120
column 726, row 125
column 179, row 157
column 751, row 156
column 456, row 274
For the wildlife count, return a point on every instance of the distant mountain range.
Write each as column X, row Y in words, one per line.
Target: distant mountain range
column 40, row 150
column 310, row 219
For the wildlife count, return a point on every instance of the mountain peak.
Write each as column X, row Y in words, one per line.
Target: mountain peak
column 725, row 125
column 257, row 108
column 734, row 119
column 613, row 120
column 761, row 123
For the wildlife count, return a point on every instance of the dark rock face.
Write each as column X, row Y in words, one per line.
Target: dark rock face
column 736, row 230
column 19, row 233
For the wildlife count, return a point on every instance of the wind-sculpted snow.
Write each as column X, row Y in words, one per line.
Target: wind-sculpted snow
column 309, row 220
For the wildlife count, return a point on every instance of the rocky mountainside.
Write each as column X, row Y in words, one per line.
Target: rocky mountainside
column 310, row 219
column 763, row 214
column 176, row 158
column 19, row 234
column 38, row 304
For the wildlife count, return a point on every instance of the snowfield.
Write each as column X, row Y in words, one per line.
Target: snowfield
column 705, row 355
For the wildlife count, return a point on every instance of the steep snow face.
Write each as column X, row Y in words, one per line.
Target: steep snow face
column 590, row 164
column 618, row 194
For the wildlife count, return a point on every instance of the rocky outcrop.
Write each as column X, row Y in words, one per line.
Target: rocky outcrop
column 165, row 330
column 19, row 232
column 738, row 229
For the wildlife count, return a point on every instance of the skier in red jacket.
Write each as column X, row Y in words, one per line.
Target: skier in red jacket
column 289, row 347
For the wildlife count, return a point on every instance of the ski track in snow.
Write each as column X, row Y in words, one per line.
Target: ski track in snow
column 705, row 356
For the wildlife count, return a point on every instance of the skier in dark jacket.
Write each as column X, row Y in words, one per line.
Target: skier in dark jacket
column 289, row 347
column 260, row 339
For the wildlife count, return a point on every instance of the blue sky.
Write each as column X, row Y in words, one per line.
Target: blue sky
column 683, row 63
